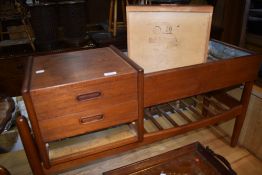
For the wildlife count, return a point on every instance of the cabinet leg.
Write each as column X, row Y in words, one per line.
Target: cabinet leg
column 240, row 119
column 29, row 146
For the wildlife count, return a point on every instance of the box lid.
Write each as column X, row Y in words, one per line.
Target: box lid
column 72, row 67
column 168, row 36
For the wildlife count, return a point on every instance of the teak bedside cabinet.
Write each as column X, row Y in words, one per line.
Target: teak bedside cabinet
column 88, row 104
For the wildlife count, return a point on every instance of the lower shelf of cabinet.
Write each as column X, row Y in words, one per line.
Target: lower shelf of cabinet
column 84, row 145
column 177, row 117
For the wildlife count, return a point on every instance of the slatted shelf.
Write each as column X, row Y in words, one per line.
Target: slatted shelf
column 185, row 112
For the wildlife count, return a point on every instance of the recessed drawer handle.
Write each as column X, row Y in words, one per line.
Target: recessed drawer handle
column 88, row 96
column 85, row 120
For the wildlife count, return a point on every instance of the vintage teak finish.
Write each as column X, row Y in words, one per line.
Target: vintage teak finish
column 74, row 93
column 82, row 91
column 89, row 104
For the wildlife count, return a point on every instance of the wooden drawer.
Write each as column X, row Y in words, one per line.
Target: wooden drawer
column 80, row 92
column 89, row 120
column 84, row 96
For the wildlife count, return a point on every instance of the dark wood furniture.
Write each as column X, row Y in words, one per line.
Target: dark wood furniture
column 189, row 159
column 70, row 93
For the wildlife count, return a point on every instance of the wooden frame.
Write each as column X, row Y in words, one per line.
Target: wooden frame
column 168, row 36
column 155, row 91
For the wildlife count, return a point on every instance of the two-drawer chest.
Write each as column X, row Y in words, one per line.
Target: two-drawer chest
column 75, row 93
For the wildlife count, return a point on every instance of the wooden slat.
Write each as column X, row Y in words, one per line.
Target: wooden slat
column 209, row 111
column 205, row 107
column 167, row 116
column 149, row 126
column 226, row 99
column 194, row 125
column 150, row 117
column 170, row 108
column 191, row 109
column 214, row 106
column 218, row 106
column 180, row 113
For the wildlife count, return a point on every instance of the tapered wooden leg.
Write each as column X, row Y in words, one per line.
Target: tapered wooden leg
column 29, row 146
column 240, row 119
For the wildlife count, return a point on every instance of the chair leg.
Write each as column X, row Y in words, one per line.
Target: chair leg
column 110, row 15
column 124, row 11
column 115, row 19
column 1, row 31
column 28, row 34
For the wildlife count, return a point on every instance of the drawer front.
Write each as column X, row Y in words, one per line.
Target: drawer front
column 60, row 101
column 82, row 122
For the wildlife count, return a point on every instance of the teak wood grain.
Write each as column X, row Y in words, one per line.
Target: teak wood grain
column 73, row 93
column 123, row 97
column 140, row 92
column 50, row 103
column 32, row 116
column 191, row 80
column 29, row 145
column 71, row 125
column 73, row 67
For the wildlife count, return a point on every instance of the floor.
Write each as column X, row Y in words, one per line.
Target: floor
column 242, row 161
